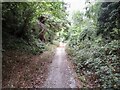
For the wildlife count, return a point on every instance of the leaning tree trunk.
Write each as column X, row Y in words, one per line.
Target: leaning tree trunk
column 42, row 32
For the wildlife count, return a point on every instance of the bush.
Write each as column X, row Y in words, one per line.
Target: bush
column 103, row 61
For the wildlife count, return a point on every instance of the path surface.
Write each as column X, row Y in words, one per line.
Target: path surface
column 61, row 75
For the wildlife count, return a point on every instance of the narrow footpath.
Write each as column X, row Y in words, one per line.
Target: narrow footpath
column 61, row 75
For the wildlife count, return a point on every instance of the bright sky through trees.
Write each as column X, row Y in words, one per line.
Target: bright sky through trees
column 75, row 5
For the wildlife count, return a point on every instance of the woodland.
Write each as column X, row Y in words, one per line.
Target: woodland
column 92, row 37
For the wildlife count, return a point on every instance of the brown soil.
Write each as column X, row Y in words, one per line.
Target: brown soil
column 23, row 70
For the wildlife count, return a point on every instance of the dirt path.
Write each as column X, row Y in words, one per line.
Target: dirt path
column 60, row 75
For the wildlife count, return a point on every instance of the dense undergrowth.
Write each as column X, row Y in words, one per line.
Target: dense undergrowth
column 95, row 45
column 98, row 65
column 31, row 27
column 13, row 43
column 28, row 33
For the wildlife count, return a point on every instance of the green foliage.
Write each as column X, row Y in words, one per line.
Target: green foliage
column 34, row 47
column 97, row 55
column 109, row 21
column 77, row 18
column 20, row 27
